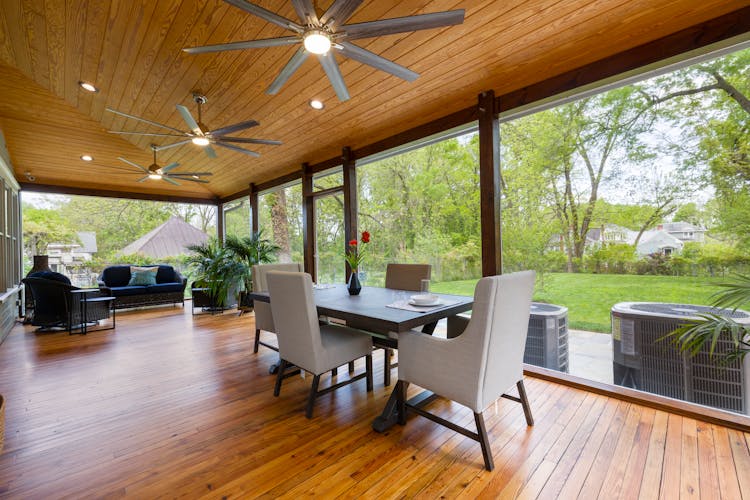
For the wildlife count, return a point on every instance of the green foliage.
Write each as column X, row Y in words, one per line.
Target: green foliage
column 249, row 251
column 42, row 226
column 216, row 269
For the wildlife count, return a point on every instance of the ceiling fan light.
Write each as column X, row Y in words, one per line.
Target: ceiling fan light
column 155, row 177
column 317, row 42
column 200, row 141
column 88, row 87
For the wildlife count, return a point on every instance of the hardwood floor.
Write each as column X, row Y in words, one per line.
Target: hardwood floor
column 171, row 405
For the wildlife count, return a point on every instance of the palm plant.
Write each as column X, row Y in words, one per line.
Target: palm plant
column 709, row 328
column 216, row 269
column 250, row 250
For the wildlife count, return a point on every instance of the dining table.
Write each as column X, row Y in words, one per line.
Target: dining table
column 382, row 313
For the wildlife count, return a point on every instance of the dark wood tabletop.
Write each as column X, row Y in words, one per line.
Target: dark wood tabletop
column 368, row 310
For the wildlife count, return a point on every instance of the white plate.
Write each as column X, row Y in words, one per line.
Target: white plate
column 436, row 302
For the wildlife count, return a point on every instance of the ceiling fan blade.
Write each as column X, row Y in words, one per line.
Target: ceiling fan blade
column 169, row 167
column 133, row 164
column 249, row 141
column 339, row 12
column 404, row 24
column 371, row 59
column 305, row 11
column 266, row 15
column 331, row 68
column 295, row 62
column 142, row 179
column 210, row 152
column 238, row 149
column 173, row 145
column 248, row 44
column 191, row 179
column 234, row 128
column 164, row 178
column 156, row 124
column 191, row 123
column 144, row 133
column 190, row 174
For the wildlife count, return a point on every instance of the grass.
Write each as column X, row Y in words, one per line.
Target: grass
column 589, row 297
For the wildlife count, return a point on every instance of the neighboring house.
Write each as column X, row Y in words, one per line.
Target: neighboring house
column 168, row 240
column 658, row 241
column 684, row 231
column 64, row 256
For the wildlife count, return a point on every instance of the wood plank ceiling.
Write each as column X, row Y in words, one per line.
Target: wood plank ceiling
column 131, row 50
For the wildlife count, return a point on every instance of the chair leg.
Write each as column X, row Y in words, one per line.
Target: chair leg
column 311, row 396
column 401, row 387
column 387, row 366
column 484, row 441
column 279, row 377
column 525, row 402
column 368, row 371
column 351, row 367
column 257, row 340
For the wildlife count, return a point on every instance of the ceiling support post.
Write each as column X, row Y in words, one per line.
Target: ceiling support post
column 254, row 215
column 308, row 221
column 349, row 170
column 220, row 223
column 489, row 185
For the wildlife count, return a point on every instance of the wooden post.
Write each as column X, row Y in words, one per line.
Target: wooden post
column 489, row 185
column 220, row 223
column 254, row 216
column 308, row 221
column 350, row 201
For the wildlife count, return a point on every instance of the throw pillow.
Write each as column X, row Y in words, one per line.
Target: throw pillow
column 142, row 276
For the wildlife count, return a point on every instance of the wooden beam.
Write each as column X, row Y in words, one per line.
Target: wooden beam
column 104, row 193
column 220, row 223
column 489, row 185
column 695, row 37
column 308, row 221
column 254, row 215
column 350, row 202
column 264, row 186
column 325, row 192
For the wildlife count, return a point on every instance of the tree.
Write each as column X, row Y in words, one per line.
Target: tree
column 42, row 226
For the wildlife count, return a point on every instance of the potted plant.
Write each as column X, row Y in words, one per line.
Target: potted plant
column 249, row 251
column 709, row 328
column 216, row 270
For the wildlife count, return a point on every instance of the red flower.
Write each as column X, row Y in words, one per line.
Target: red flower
column 353, row 243
column 365, row 237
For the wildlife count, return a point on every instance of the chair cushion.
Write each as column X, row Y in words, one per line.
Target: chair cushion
column 166, row 274
column 142, row 276
column 50, row 275
column 122, row 291
column 164, row 288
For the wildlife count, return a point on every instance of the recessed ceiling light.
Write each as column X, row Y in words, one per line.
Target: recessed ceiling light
column 89, row 87
column 316, row 104
column 87, row 158
column 200, row 141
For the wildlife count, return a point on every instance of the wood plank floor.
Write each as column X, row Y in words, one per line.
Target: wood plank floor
column 172, row 405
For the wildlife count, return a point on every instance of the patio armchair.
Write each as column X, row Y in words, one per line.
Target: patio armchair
column 263, row 316
column 476, row 367
column 56, row 307
column 305, row 343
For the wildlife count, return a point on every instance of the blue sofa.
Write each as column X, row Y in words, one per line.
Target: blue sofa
column 169, row 287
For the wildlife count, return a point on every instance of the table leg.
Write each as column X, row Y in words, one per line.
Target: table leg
column 390, row 415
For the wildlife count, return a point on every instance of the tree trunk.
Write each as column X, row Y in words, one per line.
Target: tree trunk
column 280, row 224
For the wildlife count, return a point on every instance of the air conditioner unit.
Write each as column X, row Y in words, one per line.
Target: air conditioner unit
column 547, row 340
column 642, row 361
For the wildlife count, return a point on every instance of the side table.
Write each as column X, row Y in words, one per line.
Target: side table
column 84, row 300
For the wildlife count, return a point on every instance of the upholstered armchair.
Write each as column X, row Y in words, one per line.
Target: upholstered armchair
column 263, row 316
column 476, row 367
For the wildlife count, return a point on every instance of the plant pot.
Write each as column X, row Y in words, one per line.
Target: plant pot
column 354, row 286
column 245, row 303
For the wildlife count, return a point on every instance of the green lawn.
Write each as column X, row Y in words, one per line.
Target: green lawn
column 589, row 297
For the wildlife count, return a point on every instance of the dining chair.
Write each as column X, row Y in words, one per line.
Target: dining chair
column 263, row 316
column 307, row 344
column 476, row 367
column 400, row 277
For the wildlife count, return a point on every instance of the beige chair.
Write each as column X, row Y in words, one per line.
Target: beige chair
column 305, row 343
column 400, row 277
column 263, row 317
column 476, row 367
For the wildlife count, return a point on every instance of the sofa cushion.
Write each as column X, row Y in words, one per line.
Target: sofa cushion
column 50, row 275
column 164, row 288
column 114, row 276
column 166, row 274
column 122, row 291
column 140, row 276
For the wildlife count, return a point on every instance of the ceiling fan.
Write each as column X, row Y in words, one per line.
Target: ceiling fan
column 199, row 133
column 155, row 172
column 318, row 34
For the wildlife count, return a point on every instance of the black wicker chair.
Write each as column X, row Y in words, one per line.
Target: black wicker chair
column 56, row 307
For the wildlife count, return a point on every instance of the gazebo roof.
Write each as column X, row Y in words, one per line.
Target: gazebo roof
column 167, row 240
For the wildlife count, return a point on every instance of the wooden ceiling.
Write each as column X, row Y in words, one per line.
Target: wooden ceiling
column 131, row 50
